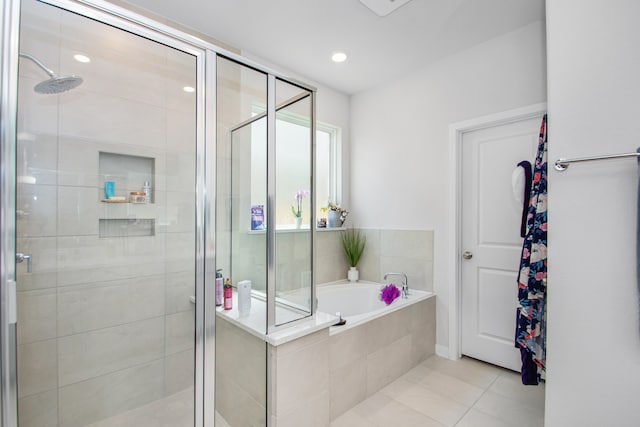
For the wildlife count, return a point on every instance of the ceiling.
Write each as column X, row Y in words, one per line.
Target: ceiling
column 301, row 35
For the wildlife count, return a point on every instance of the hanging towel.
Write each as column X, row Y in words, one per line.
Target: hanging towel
column 526, row 166
column 532, row 278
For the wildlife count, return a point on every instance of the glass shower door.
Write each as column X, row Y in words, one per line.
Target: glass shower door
column 106, row 225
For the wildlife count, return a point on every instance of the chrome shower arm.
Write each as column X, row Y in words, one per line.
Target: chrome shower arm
column 39, row 64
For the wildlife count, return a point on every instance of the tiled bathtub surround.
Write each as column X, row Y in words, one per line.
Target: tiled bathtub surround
column 105, row 324
column 408, row 251
column 316, row 378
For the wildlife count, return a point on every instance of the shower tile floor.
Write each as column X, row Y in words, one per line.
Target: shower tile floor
column 441, row 392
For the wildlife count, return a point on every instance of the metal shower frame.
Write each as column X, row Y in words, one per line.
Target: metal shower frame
column 205, row 53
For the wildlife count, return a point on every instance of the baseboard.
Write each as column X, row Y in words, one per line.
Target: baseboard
column 443, row 351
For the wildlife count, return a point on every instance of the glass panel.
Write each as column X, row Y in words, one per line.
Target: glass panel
column 293, row 203
column 106, row 323
column 241, row 248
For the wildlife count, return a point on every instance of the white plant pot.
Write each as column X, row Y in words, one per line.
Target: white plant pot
column 298, row 221
column 353, row 274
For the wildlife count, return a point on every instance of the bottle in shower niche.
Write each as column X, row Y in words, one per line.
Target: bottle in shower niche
column 219, row 288
column 228, row 295
column 147, row 191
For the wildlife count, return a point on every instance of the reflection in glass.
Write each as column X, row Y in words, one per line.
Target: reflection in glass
column 106, row 325
column 241, row 254
column 293, row 250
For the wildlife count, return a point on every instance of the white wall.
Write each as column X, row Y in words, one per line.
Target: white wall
column 400, row 137
column 593, row 335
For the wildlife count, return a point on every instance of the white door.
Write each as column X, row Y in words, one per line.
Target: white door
column 491, row 242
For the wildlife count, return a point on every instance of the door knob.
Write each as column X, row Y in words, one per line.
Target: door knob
column 467, row 255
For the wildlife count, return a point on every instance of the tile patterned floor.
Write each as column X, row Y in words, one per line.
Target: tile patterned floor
column 437, row 393
column 441, row 392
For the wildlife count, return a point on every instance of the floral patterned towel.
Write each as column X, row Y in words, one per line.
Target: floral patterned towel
column 532, row 279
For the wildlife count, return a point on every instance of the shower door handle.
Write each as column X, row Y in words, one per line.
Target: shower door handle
column 21, row 257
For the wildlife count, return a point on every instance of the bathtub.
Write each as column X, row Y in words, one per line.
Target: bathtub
column 360, row 302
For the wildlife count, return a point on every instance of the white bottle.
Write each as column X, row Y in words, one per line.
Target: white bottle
column 244, row 297
column 147, row 191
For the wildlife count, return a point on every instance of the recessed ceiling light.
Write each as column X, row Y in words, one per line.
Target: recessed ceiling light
column 188, row 89
column 339, row 57
column 81, row 58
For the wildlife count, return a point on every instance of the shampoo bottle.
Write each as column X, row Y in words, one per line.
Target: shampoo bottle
column 219, row 288
column 228, row 295
column 244, row 297
column 147, row 191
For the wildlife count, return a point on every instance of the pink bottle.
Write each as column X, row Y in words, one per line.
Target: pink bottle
column 228, row 295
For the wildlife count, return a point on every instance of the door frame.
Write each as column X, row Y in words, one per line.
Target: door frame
column 456, row 133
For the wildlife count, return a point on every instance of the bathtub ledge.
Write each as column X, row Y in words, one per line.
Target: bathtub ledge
column 255, row 323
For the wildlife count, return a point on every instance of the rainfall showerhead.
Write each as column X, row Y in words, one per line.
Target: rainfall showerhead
column 56, row 84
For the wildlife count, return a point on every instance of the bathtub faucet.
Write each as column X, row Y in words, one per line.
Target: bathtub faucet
column 405, row 283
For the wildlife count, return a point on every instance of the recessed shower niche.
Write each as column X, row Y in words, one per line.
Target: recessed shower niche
column 126, row 174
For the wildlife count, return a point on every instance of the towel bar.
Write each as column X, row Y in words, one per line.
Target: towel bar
column 562, row 164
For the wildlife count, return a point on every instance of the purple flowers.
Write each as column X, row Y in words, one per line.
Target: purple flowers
column 300, row 194
column 389, row 293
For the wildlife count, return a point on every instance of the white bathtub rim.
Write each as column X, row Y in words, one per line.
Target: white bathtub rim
column 415, row 296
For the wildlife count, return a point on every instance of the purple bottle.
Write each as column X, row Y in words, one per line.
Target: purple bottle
column 219, row 288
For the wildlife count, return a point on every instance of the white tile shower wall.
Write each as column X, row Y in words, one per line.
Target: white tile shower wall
column 105, row 324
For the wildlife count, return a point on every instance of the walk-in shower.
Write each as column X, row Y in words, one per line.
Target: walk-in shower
column 55, row 84
column 113, row 323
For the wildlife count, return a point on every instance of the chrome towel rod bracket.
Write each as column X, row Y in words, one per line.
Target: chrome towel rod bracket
column 562, row 164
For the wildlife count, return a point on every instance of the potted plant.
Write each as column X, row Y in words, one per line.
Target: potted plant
column 353, row 242
column 335, row 215
column 297, row 210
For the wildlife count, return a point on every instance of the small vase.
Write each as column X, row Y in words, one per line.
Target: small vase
column 333, row 219
column 353, row 274
column 298, row 221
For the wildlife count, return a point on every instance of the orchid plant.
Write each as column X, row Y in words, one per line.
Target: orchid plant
column 300, row 194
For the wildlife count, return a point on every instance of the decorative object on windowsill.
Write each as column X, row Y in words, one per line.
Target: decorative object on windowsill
column 322, row 222
column 257, row 217
column 335, row 215
column 297, row 213
column 353, row 242
column 389, row 293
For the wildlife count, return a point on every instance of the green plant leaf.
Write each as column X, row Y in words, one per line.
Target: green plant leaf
column 353, row 243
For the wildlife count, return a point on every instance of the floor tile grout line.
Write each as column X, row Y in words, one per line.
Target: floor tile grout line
column 473, row 406
column 408, row 408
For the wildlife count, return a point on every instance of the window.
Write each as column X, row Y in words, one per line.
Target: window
column 328, row 164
